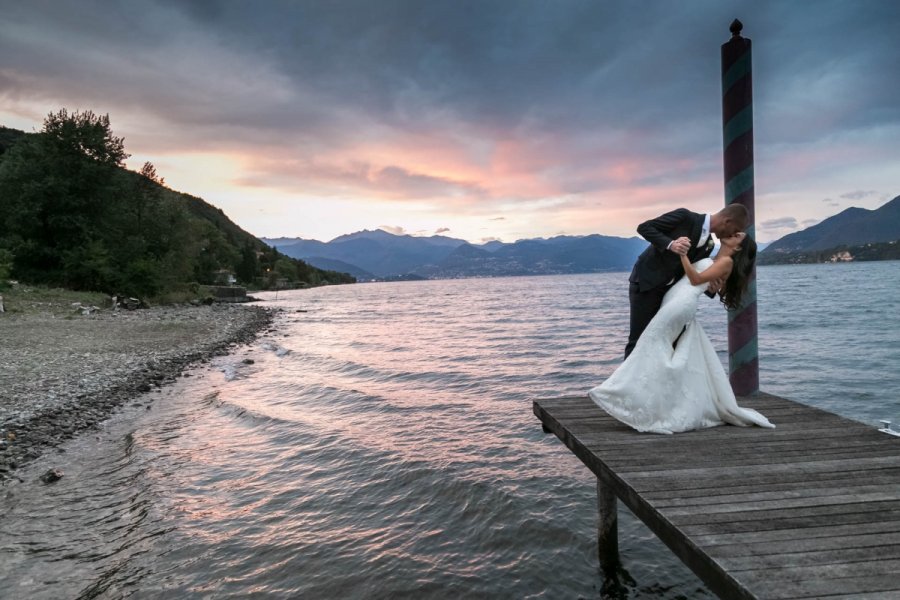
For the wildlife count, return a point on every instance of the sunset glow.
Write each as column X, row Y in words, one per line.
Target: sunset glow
column 316, row 120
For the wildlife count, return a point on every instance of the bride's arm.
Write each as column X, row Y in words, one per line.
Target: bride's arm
column 719, row 268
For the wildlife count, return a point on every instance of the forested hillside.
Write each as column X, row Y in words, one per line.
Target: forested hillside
column 71, row 215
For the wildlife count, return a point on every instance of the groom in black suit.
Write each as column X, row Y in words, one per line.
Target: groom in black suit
column 659, row 266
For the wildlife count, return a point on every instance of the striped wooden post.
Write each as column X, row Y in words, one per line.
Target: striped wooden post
column 737, row 127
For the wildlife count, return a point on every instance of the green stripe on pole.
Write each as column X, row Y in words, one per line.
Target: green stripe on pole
column 739, row 124
column 740, row 68
column 739, row 184
column 743, row 356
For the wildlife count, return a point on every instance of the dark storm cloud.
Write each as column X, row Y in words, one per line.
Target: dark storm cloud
column 567, row 66
column 525, row 67
column 563, row 66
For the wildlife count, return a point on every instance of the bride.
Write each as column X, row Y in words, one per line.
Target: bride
column 661, row 389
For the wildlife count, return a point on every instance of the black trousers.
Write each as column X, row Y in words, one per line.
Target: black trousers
column 644, row 305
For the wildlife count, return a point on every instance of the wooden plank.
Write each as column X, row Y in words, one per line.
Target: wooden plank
column 809, row 509
column 792, row 522
column 775, row 588
column 818, row 530
column 613, row 434
column 716, row 484
column 619, row 433
column 819, row 512
column 788, row 493
column 889, row 459
column 670, row 461
column 861, row 596
column 813, row 558
column 726, row 437
column 878, row 495
column 870, row 541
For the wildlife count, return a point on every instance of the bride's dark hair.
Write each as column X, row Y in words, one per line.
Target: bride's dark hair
column 736, row 284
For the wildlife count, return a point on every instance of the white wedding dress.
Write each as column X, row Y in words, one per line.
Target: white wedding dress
column 661, row 390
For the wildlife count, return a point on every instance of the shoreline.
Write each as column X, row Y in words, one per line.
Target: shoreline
column 60, row 377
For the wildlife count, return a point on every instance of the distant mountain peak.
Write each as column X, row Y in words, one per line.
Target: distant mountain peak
column 365, row 233
column 380, row 235
column 851, row 227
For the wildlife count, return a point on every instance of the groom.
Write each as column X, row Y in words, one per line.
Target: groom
column 659, row 266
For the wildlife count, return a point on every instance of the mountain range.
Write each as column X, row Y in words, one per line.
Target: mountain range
column 369, row 255
column 379, row 254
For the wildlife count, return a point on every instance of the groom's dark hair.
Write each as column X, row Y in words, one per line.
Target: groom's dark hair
column 737, row 282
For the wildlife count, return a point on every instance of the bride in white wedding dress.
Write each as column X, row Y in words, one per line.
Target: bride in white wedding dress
column 659, row 389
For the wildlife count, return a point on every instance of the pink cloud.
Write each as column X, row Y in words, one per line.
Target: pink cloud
column 591, row 183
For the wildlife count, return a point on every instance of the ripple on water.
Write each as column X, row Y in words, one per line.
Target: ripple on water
column 386, row 447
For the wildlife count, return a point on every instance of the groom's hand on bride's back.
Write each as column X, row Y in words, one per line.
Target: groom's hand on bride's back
column 714, row 287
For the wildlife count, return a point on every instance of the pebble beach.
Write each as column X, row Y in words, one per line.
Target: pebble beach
column 62, row 373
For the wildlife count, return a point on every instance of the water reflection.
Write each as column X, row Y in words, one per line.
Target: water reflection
column 382, row 444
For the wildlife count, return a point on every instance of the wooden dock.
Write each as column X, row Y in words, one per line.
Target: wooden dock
column 810, row 509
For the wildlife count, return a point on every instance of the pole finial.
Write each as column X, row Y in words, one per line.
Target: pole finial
column 735, row 28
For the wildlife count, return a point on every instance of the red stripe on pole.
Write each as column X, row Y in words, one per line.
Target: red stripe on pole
column 734, row 99
column 743, row 326
column 735, row 51
column 738, row 155
column 745, row 379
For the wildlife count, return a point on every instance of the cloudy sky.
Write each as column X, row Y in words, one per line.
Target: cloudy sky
column 495, row 119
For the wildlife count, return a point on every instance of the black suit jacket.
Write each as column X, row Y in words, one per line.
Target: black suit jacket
column 657, row 265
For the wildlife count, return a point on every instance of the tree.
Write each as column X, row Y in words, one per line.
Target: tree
column 88, row 267
column 6, row 262
column 286, row 268
column 213, row 252
column 86, row 134
column 248, row 267
column 56, row 187
column 149, row 172
column 148, row 192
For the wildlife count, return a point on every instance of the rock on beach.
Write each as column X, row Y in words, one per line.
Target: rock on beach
column 61, row 376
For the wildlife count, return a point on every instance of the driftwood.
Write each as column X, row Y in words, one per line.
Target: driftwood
column 119, row 301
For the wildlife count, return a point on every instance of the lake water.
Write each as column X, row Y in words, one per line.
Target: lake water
column 382, row 445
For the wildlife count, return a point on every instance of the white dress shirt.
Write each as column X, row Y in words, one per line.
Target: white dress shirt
column 704, row 233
